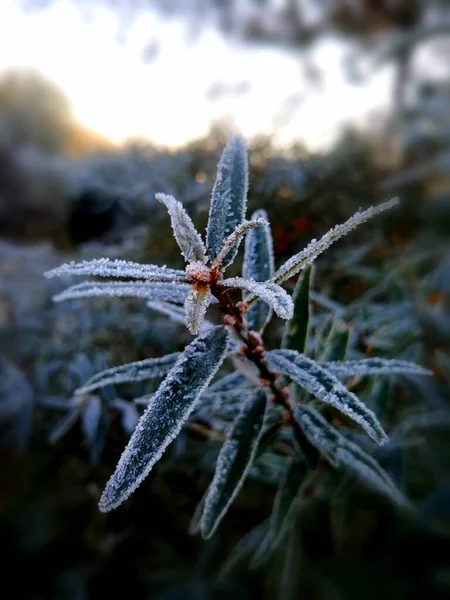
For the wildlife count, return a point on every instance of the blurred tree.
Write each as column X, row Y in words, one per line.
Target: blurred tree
column 33, row 111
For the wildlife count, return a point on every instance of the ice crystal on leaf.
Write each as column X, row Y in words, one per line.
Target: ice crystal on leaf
column 161, row 422
column 271, row 293
column 326, row 387
column 345, row 454
column 234, row 462
column 375, row 366
column 105, row 267
column 299, row 261
column 188, row 238
column 150, row 368
column 185, row 296
column 195, row 307
column 229, row 197
column 160, row 292
column 258, row 265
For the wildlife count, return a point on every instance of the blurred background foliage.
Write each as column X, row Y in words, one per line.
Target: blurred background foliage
column 68, row 192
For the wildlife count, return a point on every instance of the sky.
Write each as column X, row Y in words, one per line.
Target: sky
column 114, row 92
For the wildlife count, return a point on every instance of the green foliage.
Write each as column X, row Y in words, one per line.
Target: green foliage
column 321, row 442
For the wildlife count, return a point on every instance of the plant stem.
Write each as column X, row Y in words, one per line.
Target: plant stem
column 254, row 351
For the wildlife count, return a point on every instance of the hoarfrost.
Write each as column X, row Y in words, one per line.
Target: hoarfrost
column 187, row 237
column 258, row 265
column 234, row 462
column 163, row 419
column 229, row 197
column 299, row 261
column 326, row 387
column 150, row 368
column 177, row 313
column 345, row 454
column 105, row 267
column 235, row 238
column 271, row 293
column 375, row 366
column 195, row 307
column 161, row 292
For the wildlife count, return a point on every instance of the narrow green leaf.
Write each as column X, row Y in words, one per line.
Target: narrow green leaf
column 290, row 484
column 229, row 197
column 345, row 454
column 258, row 265
column 326, row 387
column 336, row 343
column 170, row 408
column 234, row 462
column 296, row 330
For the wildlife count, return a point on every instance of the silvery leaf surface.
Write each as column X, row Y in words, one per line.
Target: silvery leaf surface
column 258, row 265
column 170, row 408
column 325, row 386
column 299, row 261
column 187, row 237
column 271, row 293
column 229, row 197
column 106, row 267
column 345, row 454
column 160, row 292
column 140, row 370
column 375, row 366
column 195, row 307
column 234, row 462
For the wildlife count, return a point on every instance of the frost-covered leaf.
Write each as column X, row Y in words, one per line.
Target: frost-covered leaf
column 195, row 307
column 105, row 267
column 343, row 453
column 150, row 368
column 234, row 462
column 269, row 292
column 187, row 237
column 234, row 239
column 177, row 313
column 160, row 292
column 299, row 261
column 171, row 406
column 224, row 404
column 229, row 197
column 258, row 266
column 375, row 366
column 228, row 382
column 325, row 386
column 296, row 330
column 90, row 418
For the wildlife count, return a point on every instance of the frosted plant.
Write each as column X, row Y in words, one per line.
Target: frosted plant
column 291, row 393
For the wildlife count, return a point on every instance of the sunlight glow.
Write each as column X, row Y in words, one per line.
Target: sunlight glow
column 166, row 100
